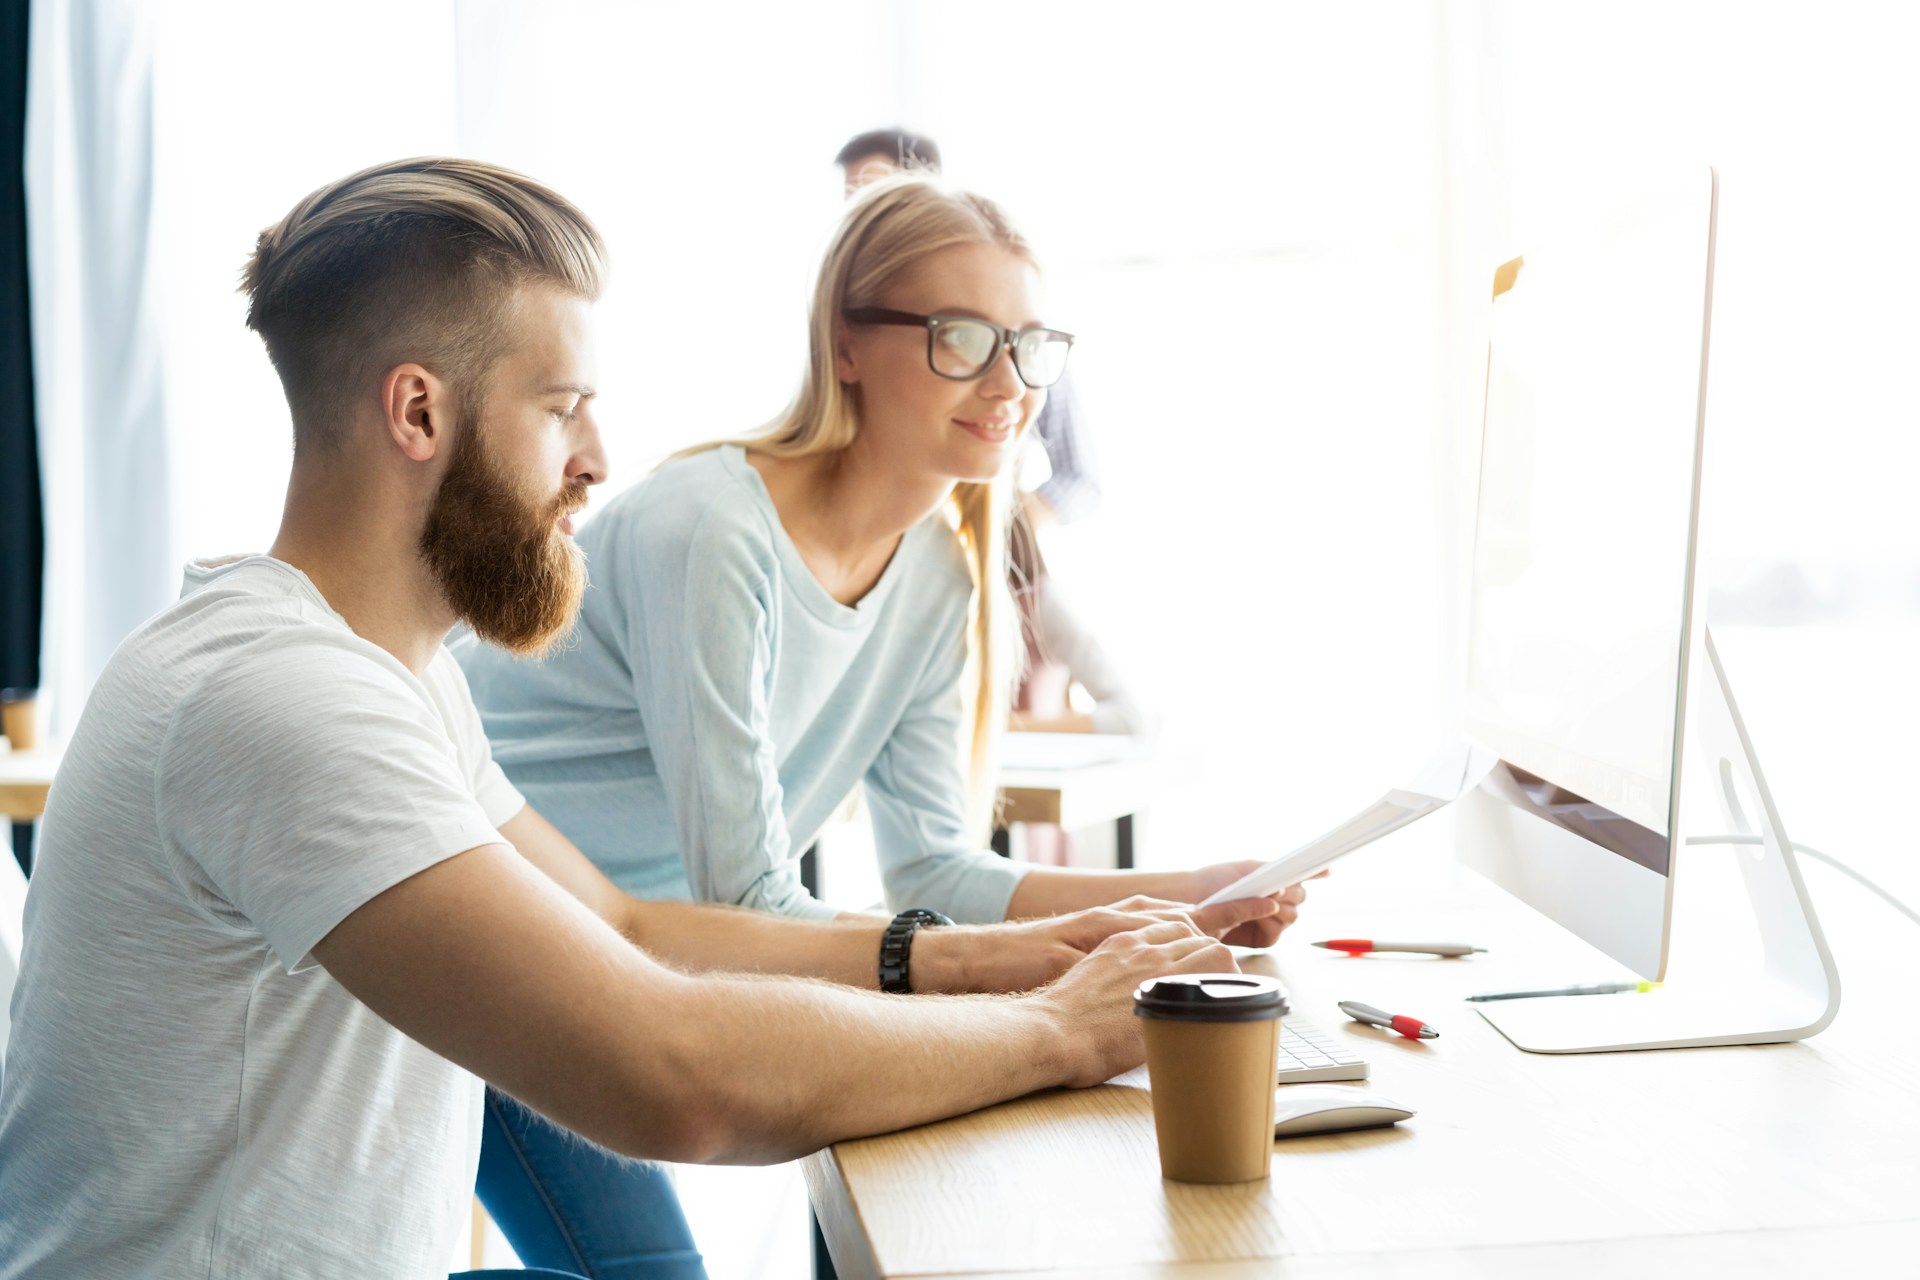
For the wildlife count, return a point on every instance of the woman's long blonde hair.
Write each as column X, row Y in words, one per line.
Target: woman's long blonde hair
column 890, row 227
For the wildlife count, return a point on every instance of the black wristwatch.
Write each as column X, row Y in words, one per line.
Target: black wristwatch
column 896, row 945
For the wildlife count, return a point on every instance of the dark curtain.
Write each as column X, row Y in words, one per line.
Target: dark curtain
column 22, row 552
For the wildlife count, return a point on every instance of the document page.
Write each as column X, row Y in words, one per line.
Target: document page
column 1451, row 773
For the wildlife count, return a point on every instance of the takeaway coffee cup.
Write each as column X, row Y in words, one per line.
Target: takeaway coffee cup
column 1213, row 1046
column 17, row 722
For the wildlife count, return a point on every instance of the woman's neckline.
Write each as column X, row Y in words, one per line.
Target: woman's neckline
column 806, row 583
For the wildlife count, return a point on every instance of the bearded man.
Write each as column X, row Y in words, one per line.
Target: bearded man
column 289, row 914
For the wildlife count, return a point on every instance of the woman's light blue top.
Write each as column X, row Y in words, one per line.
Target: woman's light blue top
column 714, row 705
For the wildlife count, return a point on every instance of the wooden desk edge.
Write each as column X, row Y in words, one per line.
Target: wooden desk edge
column 22, row 801
column 1029, row 804
column 846, row 1235
column 1777, row 1251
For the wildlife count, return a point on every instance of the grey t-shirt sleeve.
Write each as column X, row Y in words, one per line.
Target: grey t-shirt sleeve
column 499, row 799
column 306, row 778
column 916, row 792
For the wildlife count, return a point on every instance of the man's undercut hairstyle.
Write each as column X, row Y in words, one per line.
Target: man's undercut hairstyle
column 413, row 261
column 906, row 150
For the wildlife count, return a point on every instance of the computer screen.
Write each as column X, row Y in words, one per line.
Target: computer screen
column 1587, row 642
column 1584, row 540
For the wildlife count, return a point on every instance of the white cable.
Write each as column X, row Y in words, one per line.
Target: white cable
column 1818, row 856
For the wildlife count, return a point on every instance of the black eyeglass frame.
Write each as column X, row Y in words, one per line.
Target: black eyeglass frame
column 1008, row 340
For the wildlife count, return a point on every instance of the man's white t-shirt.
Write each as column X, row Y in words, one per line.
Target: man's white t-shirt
column 187, row 1094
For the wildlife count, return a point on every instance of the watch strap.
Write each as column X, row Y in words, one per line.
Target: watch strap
column 896, row 947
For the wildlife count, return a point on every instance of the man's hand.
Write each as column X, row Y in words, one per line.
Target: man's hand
column 1032, row 953
column 1262, row 931
column 1093, row 1002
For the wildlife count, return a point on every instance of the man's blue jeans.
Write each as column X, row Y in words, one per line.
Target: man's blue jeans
column 567, row 1205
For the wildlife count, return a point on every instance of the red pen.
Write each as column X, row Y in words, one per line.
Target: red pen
column 1361, row 946
column 1411, row 1028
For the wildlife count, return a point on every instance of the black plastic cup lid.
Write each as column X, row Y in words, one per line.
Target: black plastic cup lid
column 1211, row 997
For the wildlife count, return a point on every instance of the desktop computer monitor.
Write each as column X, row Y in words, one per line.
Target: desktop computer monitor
column 1582, row 596
column 1586, row 629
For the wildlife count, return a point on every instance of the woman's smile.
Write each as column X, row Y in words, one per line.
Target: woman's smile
column 994, row 429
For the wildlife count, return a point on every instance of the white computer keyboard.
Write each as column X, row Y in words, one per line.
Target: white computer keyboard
column 1308, row 1053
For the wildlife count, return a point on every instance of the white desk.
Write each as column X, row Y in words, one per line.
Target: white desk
column 1090, row 779
column 1799, row 1159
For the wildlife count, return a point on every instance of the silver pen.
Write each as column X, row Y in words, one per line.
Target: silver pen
column 1593, row 989
column 1361, row 946
column 1411, row 1028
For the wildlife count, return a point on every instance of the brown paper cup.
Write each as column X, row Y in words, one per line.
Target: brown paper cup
column 17, row 723
column 1211, row 1059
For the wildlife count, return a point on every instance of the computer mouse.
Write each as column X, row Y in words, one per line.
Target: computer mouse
column 1324, row 1108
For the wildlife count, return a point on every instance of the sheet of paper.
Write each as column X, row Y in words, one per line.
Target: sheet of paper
column 1451, row 773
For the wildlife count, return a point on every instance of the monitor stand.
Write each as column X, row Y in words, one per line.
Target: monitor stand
column 1787, row 987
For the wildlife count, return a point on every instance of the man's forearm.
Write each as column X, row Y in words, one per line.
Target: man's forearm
column 795, row 1066
column 490, row 963
column 485, row 961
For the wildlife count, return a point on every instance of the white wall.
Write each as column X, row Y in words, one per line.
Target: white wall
column 1270, row 225
column 1237, row 203
column 1808, row 115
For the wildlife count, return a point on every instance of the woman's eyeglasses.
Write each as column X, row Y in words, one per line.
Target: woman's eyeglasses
column 964, row 348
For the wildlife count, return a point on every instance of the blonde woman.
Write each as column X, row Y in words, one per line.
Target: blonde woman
column 773, row 620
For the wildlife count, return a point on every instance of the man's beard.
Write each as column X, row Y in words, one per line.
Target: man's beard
column 499, row 559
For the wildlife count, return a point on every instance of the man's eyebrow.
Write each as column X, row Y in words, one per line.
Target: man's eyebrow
column 571, row 388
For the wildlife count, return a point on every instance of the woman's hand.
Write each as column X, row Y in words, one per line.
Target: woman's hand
column 1262, row 931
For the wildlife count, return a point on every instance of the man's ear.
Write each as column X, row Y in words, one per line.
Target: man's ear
column 846, row 362
column 417, row 409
